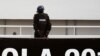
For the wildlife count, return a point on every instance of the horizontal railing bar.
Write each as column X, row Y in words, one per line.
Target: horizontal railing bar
column 16, row 26
column 54, row 36
column 76, row 26
column 52, row 26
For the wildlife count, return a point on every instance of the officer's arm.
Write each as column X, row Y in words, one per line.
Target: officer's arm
column 35, row 22
column 49, row 23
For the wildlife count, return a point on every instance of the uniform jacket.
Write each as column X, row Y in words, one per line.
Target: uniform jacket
column 42, row 22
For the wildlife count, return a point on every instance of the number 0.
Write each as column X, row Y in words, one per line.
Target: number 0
column 85, row 51
column 69, row 51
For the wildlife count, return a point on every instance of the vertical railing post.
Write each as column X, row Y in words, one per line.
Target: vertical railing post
column 74, row 29
column 20, row 30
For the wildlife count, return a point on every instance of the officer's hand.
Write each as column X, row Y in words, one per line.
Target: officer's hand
column 47, row 33
column 39, row 32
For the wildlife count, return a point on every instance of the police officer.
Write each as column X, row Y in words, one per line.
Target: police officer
column 41, row 23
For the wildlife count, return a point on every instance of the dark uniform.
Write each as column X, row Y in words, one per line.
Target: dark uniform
column 42, row 25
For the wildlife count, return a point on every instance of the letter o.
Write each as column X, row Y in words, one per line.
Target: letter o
column 69, row 51
column 7, row 50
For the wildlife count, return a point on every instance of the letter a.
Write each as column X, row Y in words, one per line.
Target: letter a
column 46, row 52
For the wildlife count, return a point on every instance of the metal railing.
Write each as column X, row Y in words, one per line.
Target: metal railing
column 30, row 26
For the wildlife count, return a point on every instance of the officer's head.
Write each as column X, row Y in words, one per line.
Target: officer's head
column 40, row 9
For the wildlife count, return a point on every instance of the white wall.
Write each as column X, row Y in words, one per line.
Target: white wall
column 57, row 9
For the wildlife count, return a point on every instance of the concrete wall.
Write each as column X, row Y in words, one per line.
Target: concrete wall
column 57, row 9
column 58, row 31
column 30, row 31
column 88, row 31
column 19, row 22
column 2, row 29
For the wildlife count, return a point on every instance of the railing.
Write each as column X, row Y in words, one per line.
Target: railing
column 30, row 26
column 50, row 36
